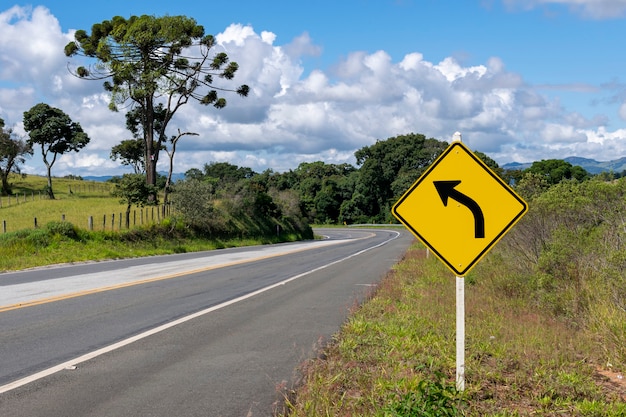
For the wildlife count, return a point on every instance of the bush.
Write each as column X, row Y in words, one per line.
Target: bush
column 431, row 398
column 64, row 229
column 571, row 245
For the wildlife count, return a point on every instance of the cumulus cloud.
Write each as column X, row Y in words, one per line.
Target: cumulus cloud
column 591, row 9
column 292, row 115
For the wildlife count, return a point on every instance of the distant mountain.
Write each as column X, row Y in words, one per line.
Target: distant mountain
column 516, row 165
column 590, row 165
column 101, row 178
column 594, row 167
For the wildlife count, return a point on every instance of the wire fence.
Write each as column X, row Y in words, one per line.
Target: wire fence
column 114, row 221
column 24, row 197
column 111, row 221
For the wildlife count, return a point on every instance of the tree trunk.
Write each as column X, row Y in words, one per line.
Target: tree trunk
column 49, row 190
column 6, row 187
column 168, row 182
column 128, row 216
column 152, row 151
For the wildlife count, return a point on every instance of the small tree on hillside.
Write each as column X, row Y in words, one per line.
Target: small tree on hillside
column 171, row 151
column 13, row 152
column 133, row 190
column 55, row 133
column 130, row 152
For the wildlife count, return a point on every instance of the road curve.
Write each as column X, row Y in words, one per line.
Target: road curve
column 217, row 333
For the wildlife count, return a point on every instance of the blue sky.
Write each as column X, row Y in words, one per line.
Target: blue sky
column 521, row 80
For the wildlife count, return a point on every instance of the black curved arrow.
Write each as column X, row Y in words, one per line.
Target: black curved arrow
column 446, row 190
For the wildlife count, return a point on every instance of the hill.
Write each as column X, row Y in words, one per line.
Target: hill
column 590, row 165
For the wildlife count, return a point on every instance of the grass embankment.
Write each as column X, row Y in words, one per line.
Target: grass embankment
column 55, row 241
column 62, row 242
column 395, row 356
column 75, row 201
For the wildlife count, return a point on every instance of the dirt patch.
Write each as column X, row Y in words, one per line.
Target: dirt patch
column 612, row 381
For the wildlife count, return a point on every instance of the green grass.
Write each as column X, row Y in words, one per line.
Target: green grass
column 55, row 241
column 395, row 356
column 62, row 242
column 86, row 199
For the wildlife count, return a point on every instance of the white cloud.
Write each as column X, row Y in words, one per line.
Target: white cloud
column 592, row 9
column 622, row 111
column 31, row 46
column 292, row 116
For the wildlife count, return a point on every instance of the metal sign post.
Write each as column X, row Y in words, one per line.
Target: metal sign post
column 460, row 320
column 459, row 208
column 460, row 333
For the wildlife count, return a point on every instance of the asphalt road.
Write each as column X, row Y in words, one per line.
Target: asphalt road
column 217, row 333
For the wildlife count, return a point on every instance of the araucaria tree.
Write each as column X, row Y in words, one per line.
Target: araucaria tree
column 13, row 152
column 55, row 133
column 149, row 60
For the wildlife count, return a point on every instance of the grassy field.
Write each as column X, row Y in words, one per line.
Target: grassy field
column 56, row 241
column 75, row 202
column 395, row 356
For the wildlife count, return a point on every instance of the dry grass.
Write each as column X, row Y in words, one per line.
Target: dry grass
column 519, row 360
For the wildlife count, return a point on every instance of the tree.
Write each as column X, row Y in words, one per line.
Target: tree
column 13, row 152
column 132, row 189
column 388, row 168
column 130, row 152
column 557, row 170
column 226, row 172
column 55, row 133
column 147, row 58
column 323, row 188
column 170, row 153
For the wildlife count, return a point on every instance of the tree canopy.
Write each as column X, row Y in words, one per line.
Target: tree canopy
column 556, row 170
column 388, row 168
column 55, row 133
column 130, row 152
column 13, row 152
column 144, row 59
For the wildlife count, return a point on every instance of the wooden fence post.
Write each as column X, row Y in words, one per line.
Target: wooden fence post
column 90, row 223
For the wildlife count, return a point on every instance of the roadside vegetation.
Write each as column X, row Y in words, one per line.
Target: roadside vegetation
column 545, row 310
column 545, row 323
column 244, row 217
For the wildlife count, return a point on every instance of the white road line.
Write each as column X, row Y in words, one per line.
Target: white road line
column 71, row 364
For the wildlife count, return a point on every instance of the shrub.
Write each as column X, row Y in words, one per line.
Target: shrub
column 571, row 247
column 64, row 229
column 431, row 398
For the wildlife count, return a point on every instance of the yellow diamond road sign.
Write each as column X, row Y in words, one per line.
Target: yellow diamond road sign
column 459, row 208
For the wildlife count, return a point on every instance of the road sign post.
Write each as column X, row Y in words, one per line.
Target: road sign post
column 459, row 208
column 460, row 333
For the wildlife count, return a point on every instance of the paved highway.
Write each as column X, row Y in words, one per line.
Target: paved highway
column 216, row 333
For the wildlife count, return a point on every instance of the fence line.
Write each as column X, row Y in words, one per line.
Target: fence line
column 20, row 198
column 116, row 220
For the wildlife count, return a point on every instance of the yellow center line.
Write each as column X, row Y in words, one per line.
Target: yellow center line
column 143, row 281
